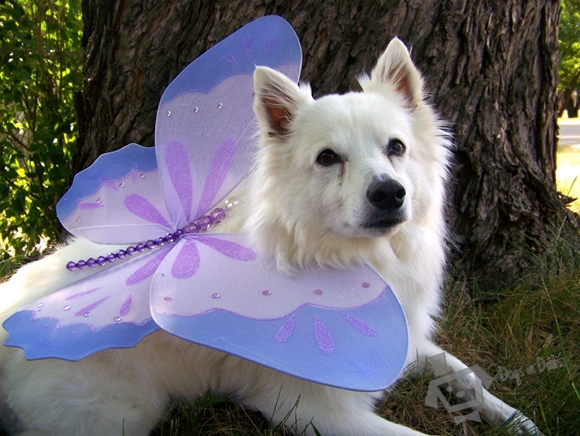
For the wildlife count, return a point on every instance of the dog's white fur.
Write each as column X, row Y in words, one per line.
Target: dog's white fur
column 299, row 212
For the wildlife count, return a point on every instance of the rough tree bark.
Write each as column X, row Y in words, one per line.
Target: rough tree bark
column 490, row 66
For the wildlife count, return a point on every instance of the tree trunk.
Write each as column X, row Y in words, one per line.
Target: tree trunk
column 490, row 66
column 569, row 103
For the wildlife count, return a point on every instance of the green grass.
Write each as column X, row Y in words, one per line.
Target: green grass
column 211, row 415
column 8, row 266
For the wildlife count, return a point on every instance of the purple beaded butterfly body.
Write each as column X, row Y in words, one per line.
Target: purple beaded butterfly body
column 343, row 328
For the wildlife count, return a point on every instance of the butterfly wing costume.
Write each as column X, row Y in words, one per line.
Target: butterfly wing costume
column 340, row 327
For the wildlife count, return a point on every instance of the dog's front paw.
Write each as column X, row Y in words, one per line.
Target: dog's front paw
column 519, row 424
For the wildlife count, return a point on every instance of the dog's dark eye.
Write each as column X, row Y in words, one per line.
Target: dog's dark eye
column 396, row 148
column 327, row 158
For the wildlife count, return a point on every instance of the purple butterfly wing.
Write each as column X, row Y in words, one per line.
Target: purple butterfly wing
column 343, row 328
column 109, row 309
column 118, row 199
column 204, row 148
column 205, row 122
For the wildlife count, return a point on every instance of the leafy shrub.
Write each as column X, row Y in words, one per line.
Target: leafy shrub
column 40, row 71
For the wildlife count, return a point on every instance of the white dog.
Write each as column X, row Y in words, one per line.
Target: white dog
column 339, row 180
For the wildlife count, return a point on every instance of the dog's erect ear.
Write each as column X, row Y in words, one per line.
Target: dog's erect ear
column 395, row 68
column 277, row 100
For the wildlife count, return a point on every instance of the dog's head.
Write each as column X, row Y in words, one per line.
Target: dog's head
column 354, row 166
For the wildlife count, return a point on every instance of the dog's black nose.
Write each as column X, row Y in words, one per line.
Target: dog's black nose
column 386, row 195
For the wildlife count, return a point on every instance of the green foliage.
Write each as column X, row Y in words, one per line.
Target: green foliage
column 569, row 39
column 40, row 71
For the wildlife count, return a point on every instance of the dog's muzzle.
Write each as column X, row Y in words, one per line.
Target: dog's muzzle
column 387, row 199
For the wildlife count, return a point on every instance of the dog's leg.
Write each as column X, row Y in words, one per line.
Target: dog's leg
column 491, row 408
